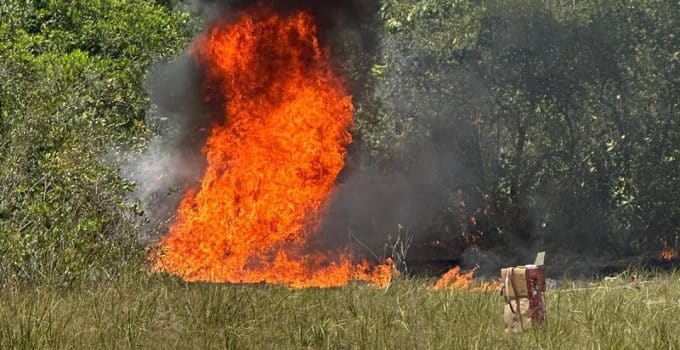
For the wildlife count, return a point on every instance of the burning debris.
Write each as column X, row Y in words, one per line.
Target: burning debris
column 455, row 279
column 668, row 253
column 272, row 161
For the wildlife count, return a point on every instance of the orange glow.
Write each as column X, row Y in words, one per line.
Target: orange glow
column 271, row 163
column 455, row 279
column 668, row 253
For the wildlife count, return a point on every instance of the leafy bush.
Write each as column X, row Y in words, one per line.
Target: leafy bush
column 72, row 101
column 563, row 116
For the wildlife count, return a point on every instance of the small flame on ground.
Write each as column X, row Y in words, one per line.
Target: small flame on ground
column 668, row 253
column 456, row 279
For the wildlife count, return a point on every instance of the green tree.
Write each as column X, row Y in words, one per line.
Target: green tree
column 564, row 116
column 72, row 102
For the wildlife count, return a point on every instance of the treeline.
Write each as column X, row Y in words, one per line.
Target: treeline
column 72, row 105
column 562, row 118
column 557, row 122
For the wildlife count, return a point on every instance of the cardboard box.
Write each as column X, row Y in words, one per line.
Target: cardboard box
column 524, row 294
column 516, row 315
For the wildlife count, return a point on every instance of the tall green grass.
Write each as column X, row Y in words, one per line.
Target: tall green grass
column 157, row 312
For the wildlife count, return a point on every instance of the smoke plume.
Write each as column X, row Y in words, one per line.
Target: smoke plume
column 418, row 197
column 371, row 207
column 182, row 118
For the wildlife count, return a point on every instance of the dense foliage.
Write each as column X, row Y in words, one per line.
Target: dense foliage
column 563, row 115
column 71, row 101
column 561, row 118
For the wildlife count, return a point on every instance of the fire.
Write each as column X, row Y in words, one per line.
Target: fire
column 455, row 279
column 668, row 253
column 271, row 163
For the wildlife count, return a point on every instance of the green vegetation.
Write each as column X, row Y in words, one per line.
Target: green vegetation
column 71, row 103
column 563, row 116
column 158, row 313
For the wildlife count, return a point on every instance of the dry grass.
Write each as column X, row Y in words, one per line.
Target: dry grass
column 156, row 312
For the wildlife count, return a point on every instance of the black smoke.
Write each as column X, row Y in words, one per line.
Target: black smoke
column 182, row 118
column 373, row 205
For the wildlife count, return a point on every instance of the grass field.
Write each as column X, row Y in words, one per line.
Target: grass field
column 157, row 312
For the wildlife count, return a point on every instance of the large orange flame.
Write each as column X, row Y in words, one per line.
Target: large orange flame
column 271, row 164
